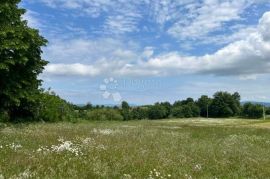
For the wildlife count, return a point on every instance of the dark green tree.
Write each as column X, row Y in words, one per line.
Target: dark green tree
column 204, row 103
column 167, row 106
column 252, row 110
column 157, row 111
column 125, row 111
column 20, row 60
column 225, row 105
column 139, row 113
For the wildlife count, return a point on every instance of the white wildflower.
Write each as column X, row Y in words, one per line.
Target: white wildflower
column 26, row 174
column 88, row 141
column 106, row 131
column 127, row 176
column 197, row 167
column 66, row 146
column 188, row 176
column 14, row 146
column 101, row 147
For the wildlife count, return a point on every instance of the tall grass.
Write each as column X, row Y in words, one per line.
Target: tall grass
column 136, row 149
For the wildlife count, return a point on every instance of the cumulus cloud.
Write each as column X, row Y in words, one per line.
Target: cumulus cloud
column 72, row 69
column 249, row 56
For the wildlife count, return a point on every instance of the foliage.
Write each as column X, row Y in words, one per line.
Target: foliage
column 267, row 111
column 204, row 103
column 139, row 113
column 225, row 105
column 20, row 60
column 104, row 114
column 125, row 111
column 167, row 107
column 252, row 110
column 177, row 112
column 157, row 111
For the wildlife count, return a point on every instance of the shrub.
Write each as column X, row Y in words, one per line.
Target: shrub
column 178, row 112
column 4, row 117
column 51, row 108
column 157, row 112
column 104, row 114
column 139, row 113
column 252, row 110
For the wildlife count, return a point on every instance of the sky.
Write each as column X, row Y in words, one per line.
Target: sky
column 144, row 51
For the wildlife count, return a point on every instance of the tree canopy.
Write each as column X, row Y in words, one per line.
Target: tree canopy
column 20, row 59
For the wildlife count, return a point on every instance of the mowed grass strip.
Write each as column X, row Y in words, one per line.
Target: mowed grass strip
column 177, row 148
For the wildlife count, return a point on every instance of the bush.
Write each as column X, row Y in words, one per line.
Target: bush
column 252, row 110
column 51, row 108
column 139, row 113
column 104, row 114
column 4, row 117
column 157, row 112
column 178, row 112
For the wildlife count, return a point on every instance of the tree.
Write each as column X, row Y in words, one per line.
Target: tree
column 178, row 112
column 125, row 110
column 252, row 110
column 167, row 106
column 204, row 103
column 267, row 111
column 139, row 113
column 225, row 105
column 157, row 112
column 20, row 60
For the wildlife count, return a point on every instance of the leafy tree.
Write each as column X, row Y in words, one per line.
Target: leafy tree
column 267, row 111
column 177, row 103
column 125, row 111
column 157, row 111
column 139, row 113
column 177, row 112
column 187, row 101
column 20, row 60
column 252, row 110
column 225, row 105
column 204, row 103
column 88, row 106
column 167, row 106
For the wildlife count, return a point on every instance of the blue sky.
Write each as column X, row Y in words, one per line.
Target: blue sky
column 143, row 51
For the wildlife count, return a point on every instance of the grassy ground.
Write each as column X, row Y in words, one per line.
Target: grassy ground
column 193, row 148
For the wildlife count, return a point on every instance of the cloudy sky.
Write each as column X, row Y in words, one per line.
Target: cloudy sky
column 145, row 51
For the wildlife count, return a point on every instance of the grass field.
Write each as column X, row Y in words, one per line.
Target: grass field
column 177, row 148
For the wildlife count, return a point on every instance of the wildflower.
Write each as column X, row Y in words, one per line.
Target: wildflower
column 66, row 146
column 127, row 176
column 197, row 167
column 14, row 146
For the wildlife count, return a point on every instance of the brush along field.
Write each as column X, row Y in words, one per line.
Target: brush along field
column 177, row 148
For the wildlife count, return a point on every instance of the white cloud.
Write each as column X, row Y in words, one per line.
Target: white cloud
column 183, row 20
column 208, row 17
column 72, row 69
column 148, row 52
column 249, row 56
column 32, row 19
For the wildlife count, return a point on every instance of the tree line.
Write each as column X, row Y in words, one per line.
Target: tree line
column 221, row 105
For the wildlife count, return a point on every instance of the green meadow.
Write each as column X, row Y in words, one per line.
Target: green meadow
column 175, row 148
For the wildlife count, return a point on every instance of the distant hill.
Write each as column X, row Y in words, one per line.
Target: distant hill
column 256, row 102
